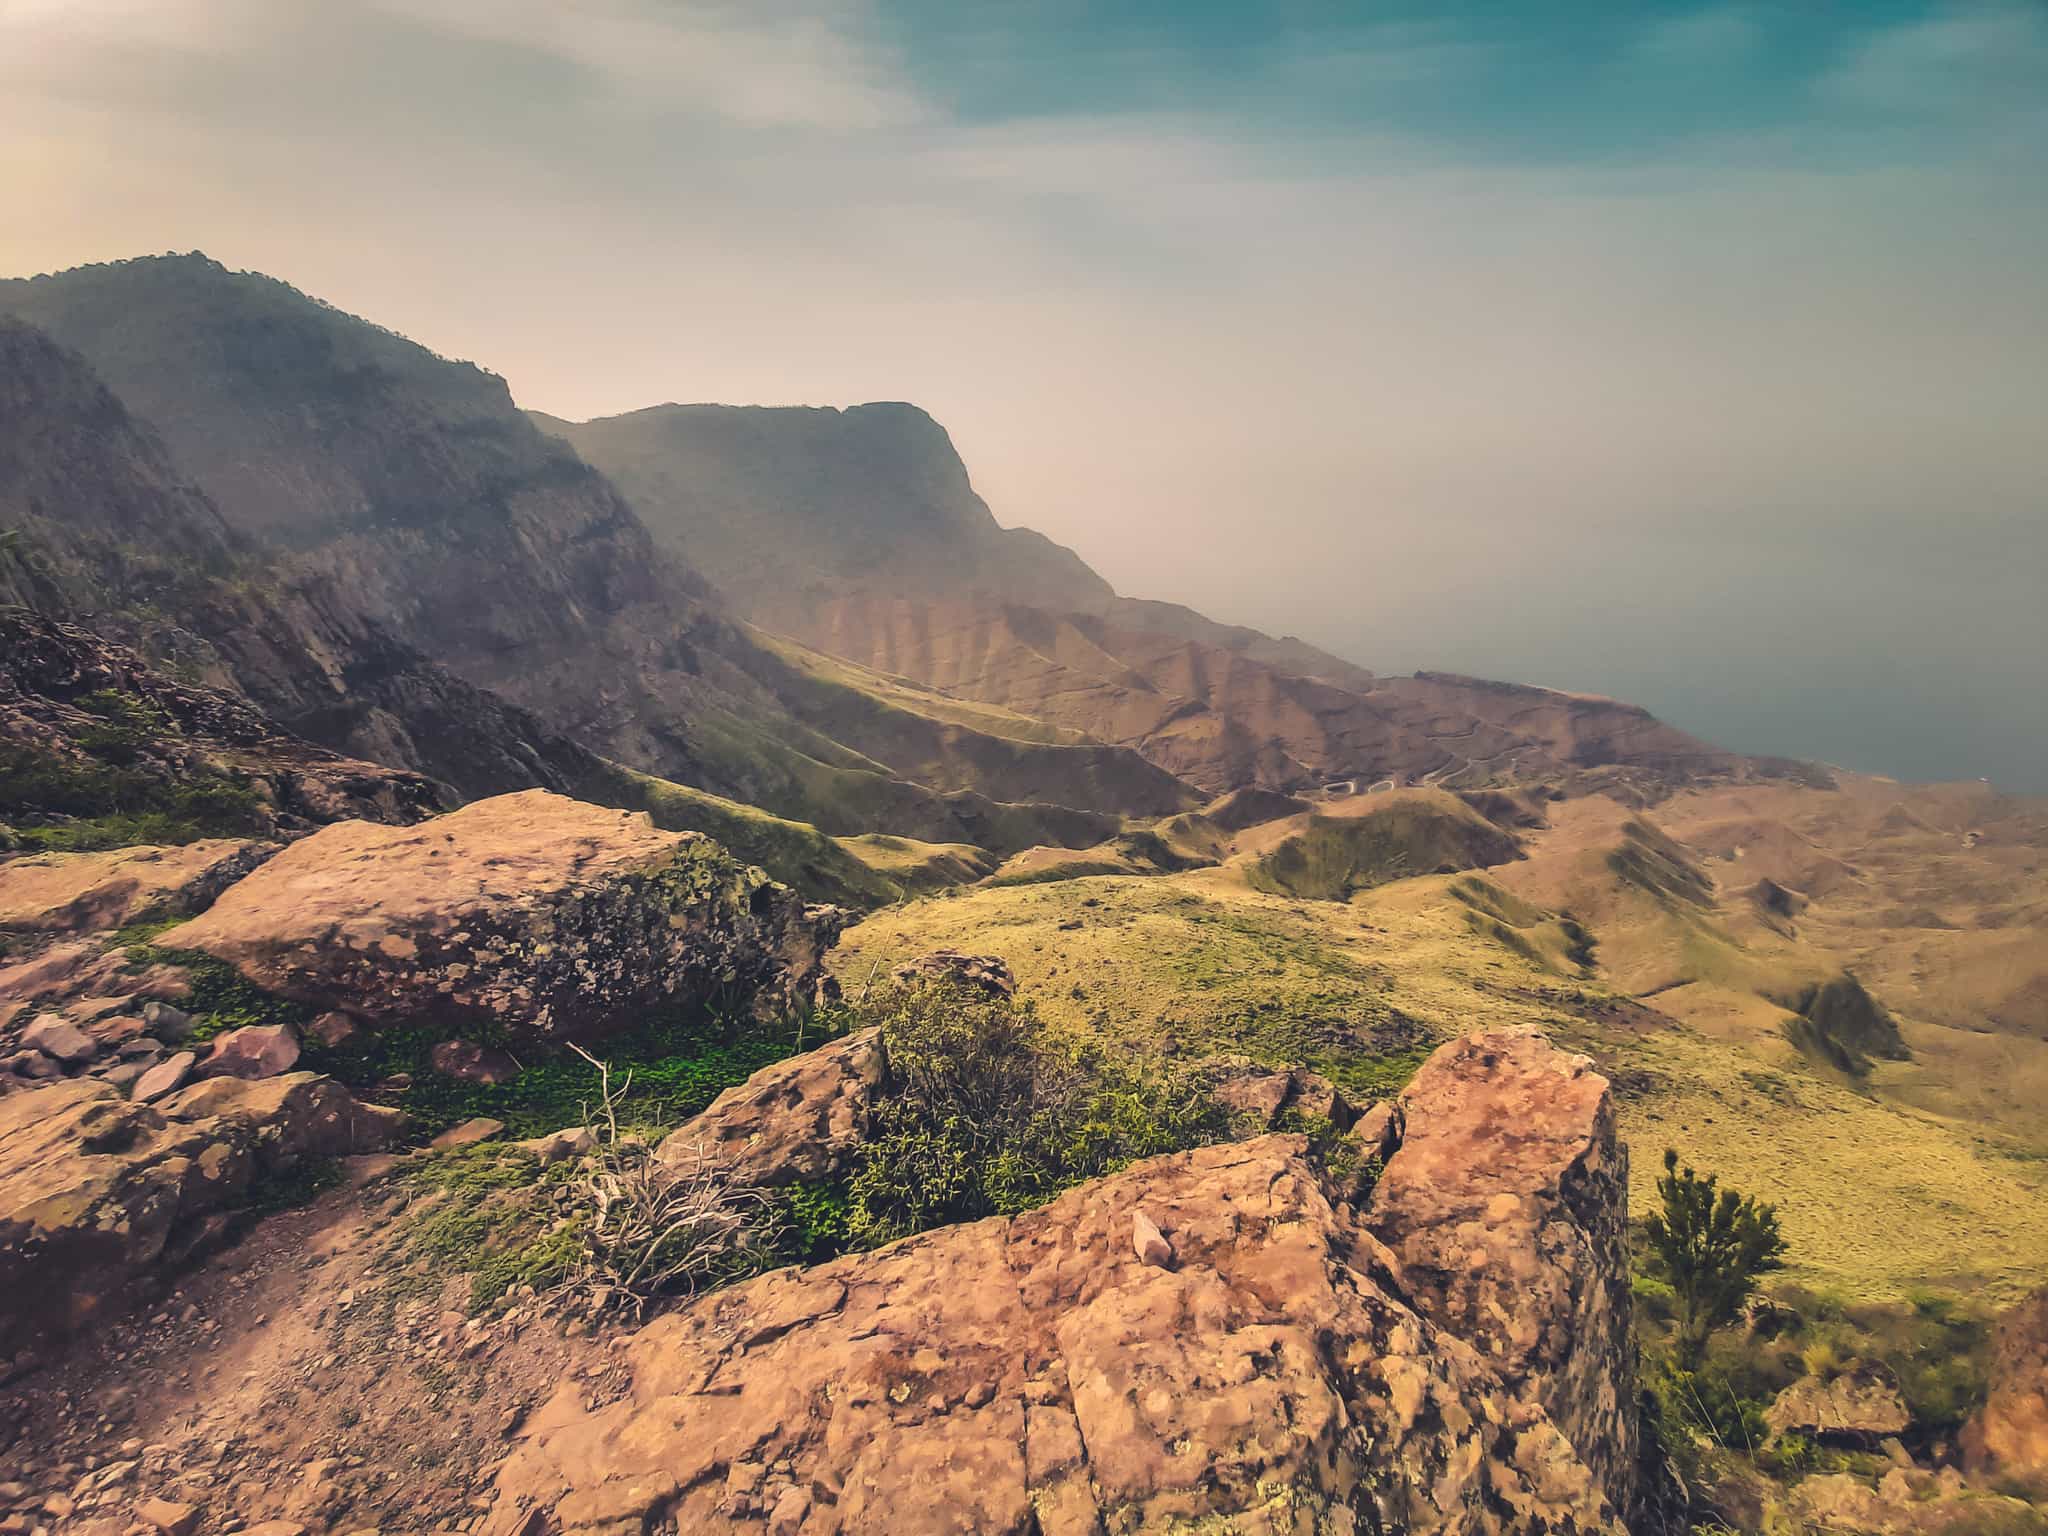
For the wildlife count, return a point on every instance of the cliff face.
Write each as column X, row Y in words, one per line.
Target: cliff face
column 409, row 485
column 101, row 529
column 1208, row 1339
column 782, row 507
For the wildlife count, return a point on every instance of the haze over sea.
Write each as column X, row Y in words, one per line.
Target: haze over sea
column 1691, row 353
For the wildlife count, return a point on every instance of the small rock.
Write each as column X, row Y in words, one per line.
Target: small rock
column 165, row 1077
column 468, row 1062
column 560, row 1146
column 167, row 1022
column 335, row 1030
column 56, row 1036
column 254, row 1051
column 34, row 1065
column 1150, row 1242
column 468, row 1134
column 173, row 1519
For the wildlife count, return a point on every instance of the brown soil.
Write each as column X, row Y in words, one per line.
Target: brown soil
column 302, row 1376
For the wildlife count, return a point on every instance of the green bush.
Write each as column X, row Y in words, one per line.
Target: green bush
column 989, row 1115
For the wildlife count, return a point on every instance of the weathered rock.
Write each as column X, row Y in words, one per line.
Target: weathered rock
column 88, row 892
column 468, row 1134
column 62, row 970
column 255, row 1050
column 560, row 1146
column 1841, row 1504
column 2008, row 1437
column 33, row 1065
column 57, row 1037
column 1149, row 1242
column 986, row 973
column 1506, row 1206
column 169, row 1517
column 165, row 1077
column 1378, row 1130
column 1858, row 1408
column 335, row 1029
column 1036, row 1375
column 531, row 910
column 469, row 1062
column 167, row 1022
column 1263, row 1097
column 797, row 1120
column 95, row 1190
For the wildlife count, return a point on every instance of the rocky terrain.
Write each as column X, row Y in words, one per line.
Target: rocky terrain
column 671, row 974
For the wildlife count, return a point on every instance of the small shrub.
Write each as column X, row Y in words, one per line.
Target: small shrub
column 988, row 1115
column 1715, row 1245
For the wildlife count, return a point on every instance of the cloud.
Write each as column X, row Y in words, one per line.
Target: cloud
column 1655, row 390
column 767, row 63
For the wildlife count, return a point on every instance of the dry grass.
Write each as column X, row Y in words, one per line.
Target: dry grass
column 1877, row 1196
column 650, row 1228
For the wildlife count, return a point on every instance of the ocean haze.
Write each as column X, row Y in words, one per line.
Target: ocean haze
column 1688, row 353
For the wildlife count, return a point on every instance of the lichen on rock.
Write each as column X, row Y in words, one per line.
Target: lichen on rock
column 531, row 913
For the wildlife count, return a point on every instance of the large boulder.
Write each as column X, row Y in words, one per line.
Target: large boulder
column 1507, row 1207
column 96, row 1192
column 85, row 892
column 796, row 1120
column 1860, row 1408
column 1203, row 1341
column 551, row 916
column 2009, row 1435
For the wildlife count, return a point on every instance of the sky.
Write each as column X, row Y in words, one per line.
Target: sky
column 1691, row 353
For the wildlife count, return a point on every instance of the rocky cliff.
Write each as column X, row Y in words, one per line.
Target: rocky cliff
column 1211, row 1339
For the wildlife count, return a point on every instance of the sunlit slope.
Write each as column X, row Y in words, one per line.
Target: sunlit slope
column 1878, row 1196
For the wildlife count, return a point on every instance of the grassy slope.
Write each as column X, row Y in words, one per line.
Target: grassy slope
column 794, row 852
column 1877, row 1196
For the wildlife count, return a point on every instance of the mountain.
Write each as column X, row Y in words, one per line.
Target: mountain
column 101, row 529
column 858, row 533
column 423, row 508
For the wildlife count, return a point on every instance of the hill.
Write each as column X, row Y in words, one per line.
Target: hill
column 423, row 509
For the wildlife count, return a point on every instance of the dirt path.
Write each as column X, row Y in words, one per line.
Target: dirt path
column 299, row 1382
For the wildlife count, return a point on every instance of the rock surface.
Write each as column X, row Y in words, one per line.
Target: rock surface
column 85, row 892
column 1507, row 1206
column 96, row 1191
column 2009, row 1435
column 1860, row 1407
column 256, row 1050
column 795, row 1120
column 531, row 910
column 1036, row 1374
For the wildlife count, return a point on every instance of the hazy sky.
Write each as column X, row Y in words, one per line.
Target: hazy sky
column 1692, row 353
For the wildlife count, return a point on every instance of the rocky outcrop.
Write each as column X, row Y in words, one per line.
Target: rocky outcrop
column 1507, row 1207
column 87, row 892
column 97, row 1192
column 1858, row 1408
column 530, row 911
column 1264, row 1098
column 90, row 721
column 2009, row 1435
column 984, row 973
column 1204, row 1341
column 797, row 1120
